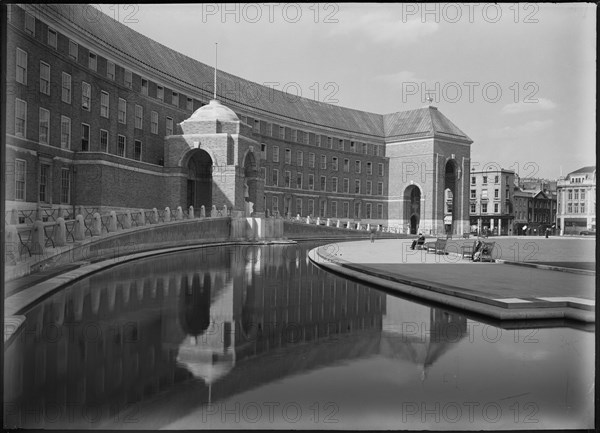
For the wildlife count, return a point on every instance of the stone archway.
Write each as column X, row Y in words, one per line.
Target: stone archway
column 199, row 180
column 412, row 207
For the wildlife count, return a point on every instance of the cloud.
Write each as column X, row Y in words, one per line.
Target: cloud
column 382, row 26
column 528, row 128
column 542, row 104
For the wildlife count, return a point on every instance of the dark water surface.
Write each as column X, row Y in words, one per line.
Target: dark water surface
column 258, row 337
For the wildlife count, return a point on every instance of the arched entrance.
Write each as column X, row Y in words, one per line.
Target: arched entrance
column 199, row 180
column 450, row 181
column 412, row 207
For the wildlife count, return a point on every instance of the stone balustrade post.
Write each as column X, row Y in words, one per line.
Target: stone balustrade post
column 179, row 213
column 142, row 220
column 96, row 225
column 358, row 226
column 318, row 221
column 154, row 215
column 79, row 229
column 328, row 222
column 339, row 223
column 60, row 234
column 167, row 214
column 38, row 239
column 202, row 212
column 213, row 211
column 308, row 219
column 298, row 217
column 191, row 212
column 127, row 220
column 112, row 222
column 369, row 227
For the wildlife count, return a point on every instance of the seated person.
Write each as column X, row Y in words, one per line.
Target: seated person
column 419, row 241
column 478, row 250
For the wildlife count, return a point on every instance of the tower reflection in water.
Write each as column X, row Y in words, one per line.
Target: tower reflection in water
column 215, row 322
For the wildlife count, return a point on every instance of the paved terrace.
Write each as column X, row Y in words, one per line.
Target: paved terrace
column 532, row 287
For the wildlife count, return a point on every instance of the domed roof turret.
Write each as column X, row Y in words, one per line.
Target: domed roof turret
column 214, row 111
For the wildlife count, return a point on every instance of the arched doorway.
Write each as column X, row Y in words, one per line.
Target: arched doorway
column 199, row 181
column 450, row 181
column 412, row 207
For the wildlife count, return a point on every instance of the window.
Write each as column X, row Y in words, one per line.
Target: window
column 93, row 61
column 44, row 78
column 154, row 122
column 317, row 140
column 483, row 207
column 369, row 190
column 139, row 114
column 357, row 210
column 103, row 140
column 368, row 211
column 270, row 129
column 21, row 66
column 473, row 193
column 20, row 170
column 137, row 150
column 575, row 207
column 263, row 171
column 287, row 179
column 334, row 184
column 380, row 150
column 288, row 156
column 275, row 177
column 256, row 127
column 44, row 183
column 346, row 185
column 379, row 188
column 340, row 144
column 334, row 163
column 570, row 208
column 473, row 180
column 86, row 96
column 323, row 162
column 110, row 70
column 73, row 49
column 323, row 209
column 20, row 118
column 122, row 110
column 282, row 132
column 299, row 180
column 299, row 158
column 357, row 166
column 473, row 208
column 576, row 192
column 485, row 180
column 582, row 206
column 570, row 194
column 144, row 87
column 323, row 183
column 121, row 144
column 66, row 88
column 65, row 132
column 85, row 137
column 29, row 23
column 346, row 166
column 275, row 153
column 496, row 193
column 352, row 147
column 160, row 92
column 330, row 142
column 357, row 186
column 169, row 126
column 380, row 169
column 44, row 126
column 311, row 206
column 582, row 194
column 346, row 209
column 364, row 148
column 380, row 211
column 311, row 182
column 128, row 79
column 104, row 98
column 311, row 160
column 65, row 186
column 295, row 134
column 175, row 99
column 369, row 168
column 299, row 206
column 334, row 209
column 190, row 104
column 52, row 37
column 495, row 207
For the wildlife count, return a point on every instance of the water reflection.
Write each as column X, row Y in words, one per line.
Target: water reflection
column 153, row 341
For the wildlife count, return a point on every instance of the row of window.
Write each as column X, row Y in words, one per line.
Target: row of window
column 484, row 208
column 484, row 193
column 334, row 164
column 485, row 180
column 575, row 194
column 44, row 182
column 331, row 212
column 287, row 183
column 575, row 207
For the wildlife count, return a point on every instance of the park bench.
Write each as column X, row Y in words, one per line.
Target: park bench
column 438, row 247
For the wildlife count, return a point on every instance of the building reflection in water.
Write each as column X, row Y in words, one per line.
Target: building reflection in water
column 219, row 321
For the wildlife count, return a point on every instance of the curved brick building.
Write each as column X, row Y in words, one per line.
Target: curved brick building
column 101, row 116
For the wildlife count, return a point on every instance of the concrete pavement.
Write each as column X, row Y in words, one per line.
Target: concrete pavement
column 499, row 290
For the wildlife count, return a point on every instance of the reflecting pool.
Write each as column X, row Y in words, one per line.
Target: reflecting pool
column 259, row 337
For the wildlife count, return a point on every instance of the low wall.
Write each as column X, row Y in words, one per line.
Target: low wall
column 300, row 230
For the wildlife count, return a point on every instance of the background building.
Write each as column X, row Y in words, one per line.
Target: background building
column 577, row 201
column 491, row 201
column 93, row 108
column 535, row 210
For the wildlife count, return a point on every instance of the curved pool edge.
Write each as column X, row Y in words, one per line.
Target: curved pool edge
column 425, row 292
column 17, row 303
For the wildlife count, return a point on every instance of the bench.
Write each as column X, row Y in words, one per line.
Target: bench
column 438, row 247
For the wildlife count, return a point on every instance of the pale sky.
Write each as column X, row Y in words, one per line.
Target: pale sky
column 519, row 79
